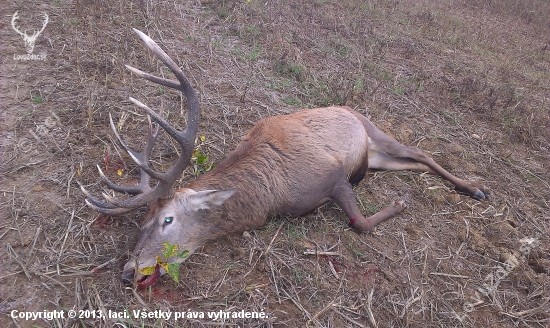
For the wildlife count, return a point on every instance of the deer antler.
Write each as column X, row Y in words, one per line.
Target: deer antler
column 13, row 19
column 186, row 138
column 44, row 23
column 24, row 34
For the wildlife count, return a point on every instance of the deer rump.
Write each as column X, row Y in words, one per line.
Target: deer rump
column 286, row 164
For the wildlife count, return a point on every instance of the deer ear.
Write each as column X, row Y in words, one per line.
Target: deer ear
column 208, row 199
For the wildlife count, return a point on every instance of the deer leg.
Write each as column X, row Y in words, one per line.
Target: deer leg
column 381, row 161
column 381, row 146
column 344, row 197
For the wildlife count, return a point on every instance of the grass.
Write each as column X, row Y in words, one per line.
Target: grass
column 281, row 84
column 298, row 276
column 292, row 101
column 254, row 53
column 341, row 51
column 294, row 232
column 352, row 247
column 289, row 70
column 247, row 55
column 452, row 117
column 367, row 207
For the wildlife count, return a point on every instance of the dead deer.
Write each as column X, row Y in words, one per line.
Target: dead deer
column 288, row 164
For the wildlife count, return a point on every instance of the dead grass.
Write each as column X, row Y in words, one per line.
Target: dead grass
column 466, row 81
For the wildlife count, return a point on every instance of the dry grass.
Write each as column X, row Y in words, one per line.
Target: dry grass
column 468, row 82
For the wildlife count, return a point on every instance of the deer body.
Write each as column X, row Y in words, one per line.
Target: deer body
column 287, row 164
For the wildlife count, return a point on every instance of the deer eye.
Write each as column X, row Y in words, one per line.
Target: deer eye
column 168, row 220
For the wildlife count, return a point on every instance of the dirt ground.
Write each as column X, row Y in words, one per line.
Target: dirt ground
column 466, row 81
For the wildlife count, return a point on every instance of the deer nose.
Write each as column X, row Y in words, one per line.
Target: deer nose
column 128, row 277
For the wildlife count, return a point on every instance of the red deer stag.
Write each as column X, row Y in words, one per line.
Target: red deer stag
column 287, row 164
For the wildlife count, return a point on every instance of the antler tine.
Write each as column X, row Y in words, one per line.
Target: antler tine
column 158, row 80
column 108, row 211
column 101, row 206
column 141, row 187
column 95, row 201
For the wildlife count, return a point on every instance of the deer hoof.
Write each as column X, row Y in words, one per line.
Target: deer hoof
column 484, row 193
column 480, row 195
column 399, row 205
column 476, row 191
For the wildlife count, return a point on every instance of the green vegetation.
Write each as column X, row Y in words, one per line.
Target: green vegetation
column 288, row 70
column 200, row 161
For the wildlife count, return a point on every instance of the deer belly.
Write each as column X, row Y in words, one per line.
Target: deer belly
column 301, row 208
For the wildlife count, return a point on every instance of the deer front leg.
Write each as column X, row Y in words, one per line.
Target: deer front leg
column 345, row 198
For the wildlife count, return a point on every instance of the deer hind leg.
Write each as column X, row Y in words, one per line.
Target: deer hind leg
column 381, row 161
column 383, row 148
column 343, row 196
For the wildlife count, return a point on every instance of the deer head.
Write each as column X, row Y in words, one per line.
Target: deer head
column 29, row 40
column 168, row 217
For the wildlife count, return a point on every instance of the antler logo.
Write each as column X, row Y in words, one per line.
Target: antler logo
column 29, row 40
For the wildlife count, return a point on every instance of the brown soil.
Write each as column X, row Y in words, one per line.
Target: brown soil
column 467, row 83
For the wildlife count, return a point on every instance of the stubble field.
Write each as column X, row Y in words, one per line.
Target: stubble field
column 466, row 81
